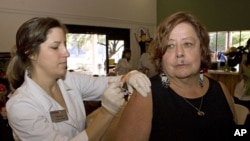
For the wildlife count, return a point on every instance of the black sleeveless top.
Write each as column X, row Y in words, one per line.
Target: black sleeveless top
column 176, row 120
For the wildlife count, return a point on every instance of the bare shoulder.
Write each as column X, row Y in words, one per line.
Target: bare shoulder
column 229, row 98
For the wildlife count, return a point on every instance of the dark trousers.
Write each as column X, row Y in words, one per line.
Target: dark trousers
column 5, row 130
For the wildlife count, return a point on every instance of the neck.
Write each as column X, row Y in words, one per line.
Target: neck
column 189, row 89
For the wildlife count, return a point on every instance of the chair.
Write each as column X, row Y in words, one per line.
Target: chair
column 241, row 113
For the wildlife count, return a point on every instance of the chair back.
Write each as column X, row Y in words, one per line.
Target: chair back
column 241, row 113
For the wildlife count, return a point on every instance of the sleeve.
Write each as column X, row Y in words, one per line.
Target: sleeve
column 119, row 68
column 142, row 60
column 118, row 65
column 30, row 124
column 123, row 67
column 140, row 63
column 91, row 88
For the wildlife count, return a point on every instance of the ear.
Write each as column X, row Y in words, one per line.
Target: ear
column 32, row 57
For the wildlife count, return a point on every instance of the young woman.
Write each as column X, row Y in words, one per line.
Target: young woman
column 47, row 103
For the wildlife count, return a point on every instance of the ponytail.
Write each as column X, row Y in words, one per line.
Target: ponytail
column 15, row 72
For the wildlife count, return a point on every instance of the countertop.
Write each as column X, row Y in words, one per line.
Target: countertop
column 223, row 72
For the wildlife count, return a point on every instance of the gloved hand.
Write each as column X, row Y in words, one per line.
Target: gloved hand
column 139, row 81
column 113, row 98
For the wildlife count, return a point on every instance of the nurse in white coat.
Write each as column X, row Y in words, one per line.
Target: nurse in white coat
column 47, row 102
column 123, row 66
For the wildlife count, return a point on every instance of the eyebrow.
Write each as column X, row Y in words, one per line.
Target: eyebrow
column 188, row 38
column 55, row 42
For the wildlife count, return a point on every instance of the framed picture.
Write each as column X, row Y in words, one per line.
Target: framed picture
column 4, row 61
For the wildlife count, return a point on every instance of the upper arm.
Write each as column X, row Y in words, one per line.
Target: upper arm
column 135, row 121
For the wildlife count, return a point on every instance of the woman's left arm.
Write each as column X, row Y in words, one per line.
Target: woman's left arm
column 136, row 118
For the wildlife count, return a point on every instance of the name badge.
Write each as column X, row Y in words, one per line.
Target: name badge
column 58, row 116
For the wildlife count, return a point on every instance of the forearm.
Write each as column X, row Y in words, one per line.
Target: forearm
column 98, row 124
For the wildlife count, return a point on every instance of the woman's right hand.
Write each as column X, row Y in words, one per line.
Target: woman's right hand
column 113, row 98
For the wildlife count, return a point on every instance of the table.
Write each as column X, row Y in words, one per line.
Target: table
column 230, row 79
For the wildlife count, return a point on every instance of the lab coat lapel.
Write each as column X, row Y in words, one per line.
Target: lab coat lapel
column 70, row 102
column 38, row 94
column 47, row 103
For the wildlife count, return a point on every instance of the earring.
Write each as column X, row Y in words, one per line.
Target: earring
column 201, row 78
column 29, row 71
column 164, row 80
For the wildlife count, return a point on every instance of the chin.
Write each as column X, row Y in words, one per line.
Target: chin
column 62, row 75
column 62, row 72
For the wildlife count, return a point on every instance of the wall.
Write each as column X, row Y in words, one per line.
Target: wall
column 217, row 15
column 110, row 13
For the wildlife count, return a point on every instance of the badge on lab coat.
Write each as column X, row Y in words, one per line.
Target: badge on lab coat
column 58, row 116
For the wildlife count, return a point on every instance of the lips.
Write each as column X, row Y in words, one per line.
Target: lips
column 64, row 64
column 180, row 65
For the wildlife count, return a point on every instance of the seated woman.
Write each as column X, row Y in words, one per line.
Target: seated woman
column 123, row 66
column 242, row 89
column 183, row 105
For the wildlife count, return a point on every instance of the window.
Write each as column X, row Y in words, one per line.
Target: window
column 87, row 53
column 91, row 48
column 115, row 49
column 221, row 41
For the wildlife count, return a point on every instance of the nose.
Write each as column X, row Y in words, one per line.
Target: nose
column 179, row 55
column 66, row 52
column 179, row 52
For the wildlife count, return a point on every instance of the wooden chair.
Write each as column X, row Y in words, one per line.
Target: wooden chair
column 241, row 112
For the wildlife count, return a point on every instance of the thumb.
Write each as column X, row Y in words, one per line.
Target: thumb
column 130, row 88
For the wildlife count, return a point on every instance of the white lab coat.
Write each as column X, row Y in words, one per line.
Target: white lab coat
column 145, row 62
column 123, row 67
column 29, row 108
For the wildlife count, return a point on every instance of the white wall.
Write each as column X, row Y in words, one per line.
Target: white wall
column 110, row 13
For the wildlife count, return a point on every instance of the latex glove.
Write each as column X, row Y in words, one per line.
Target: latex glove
column 138, row 81
column 113, row 98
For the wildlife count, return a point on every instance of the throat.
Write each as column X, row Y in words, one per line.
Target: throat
column 190, row 93
column 58, row 97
